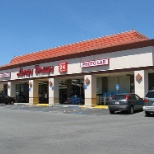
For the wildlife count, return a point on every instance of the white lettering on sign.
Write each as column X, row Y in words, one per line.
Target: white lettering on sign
column 5, row 75
column 63, row 67
column 97, row 62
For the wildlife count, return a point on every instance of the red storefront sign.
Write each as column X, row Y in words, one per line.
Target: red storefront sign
column 45, row 69
column 97, row 62
column 38, row 70
column 23, row 73
column 62, row 67
column 5, row 75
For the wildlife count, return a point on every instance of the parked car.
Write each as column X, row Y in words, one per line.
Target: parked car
column 6, row 99
column 125, row 102
column 149, row 103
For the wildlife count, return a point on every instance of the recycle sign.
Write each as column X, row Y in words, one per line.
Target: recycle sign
column 117, row 87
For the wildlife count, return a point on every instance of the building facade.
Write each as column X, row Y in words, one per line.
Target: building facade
column 86, row 72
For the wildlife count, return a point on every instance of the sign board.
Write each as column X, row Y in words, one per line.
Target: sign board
column 97, row 62
column 117, row 86
column 38, row 71
column 5, row 75
column 63, row 67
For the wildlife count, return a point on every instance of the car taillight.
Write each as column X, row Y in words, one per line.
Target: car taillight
column 111, row 97
column 146, row 101
column 127, row 96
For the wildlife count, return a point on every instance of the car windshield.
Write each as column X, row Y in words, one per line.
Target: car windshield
column 3, row 95
column 117, row 97
column 150, row 94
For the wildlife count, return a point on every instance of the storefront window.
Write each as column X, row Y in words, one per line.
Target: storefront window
column 71, row 91
column 22, row 93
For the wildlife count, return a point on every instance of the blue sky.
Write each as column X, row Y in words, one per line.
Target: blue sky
column 31, row 25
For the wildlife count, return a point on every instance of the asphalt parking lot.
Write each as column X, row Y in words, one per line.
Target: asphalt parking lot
column 66, row 129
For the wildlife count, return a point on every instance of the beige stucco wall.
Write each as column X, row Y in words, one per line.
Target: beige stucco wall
column 141, row 87
column 132, row 58
column 1, row 87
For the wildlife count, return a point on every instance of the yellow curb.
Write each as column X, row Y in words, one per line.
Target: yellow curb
column 101, row 107
column 42, row 105
column 82, row 106
column 96, row 107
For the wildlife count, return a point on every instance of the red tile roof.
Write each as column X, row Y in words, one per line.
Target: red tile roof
column 84, row 46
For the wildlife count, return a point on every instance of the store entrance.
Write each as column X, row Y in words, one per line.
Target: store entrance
column 151, row 81
column 22, row 92
column 43, row 92
column 71, row 91
column 106, row 87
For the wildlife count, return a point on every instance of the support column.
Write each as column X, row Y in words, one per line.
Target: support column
column 90, row 90
column 11, row 89
column 53, row 91
column 141, row 82
column 33, row 92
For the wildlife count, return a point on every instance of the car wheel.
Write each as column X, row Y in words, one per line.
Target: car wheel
column 12, row 102
column 111, row 111
column 147, row 113
column 131, row 110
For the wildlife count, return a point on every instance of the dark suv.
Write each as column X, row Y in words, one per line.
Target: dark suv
column 149, row 103
column 6, row 99
column 125, row 102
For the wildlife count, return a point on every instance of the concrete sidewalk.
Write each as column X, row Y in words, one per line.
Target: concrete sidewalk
column 65, row 105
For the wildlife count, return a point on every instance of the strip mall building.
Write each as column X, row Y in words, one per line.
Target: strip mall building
column 93, row 70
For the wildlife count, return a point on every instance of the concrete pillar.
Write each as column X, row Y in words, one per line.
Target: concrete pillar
column 53, row 91
column 33, row 92
column 141, row 82
column 90, row 90
column 11, row 89
column 1, row 86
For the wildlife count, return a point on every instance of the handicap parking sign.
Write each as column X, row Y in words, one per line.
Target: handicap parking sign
column 117, row 87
